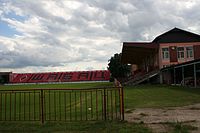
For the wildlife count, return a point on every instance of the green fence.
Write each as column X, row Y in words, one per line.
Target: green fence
column 62, row 104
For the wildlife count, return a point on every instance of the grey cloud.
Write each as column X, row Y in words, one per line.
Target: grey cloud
column 12, row 59
column 35, row 8
column 94, row 30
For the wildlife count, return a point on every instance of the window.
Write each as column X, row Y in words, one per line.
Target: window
column 165, row 53
column 189, row 51
column 180, row 52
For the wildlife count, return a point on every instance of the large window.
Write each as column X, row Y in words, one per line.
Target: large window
column 180, row 52
column 165, row 53
column 189, row 51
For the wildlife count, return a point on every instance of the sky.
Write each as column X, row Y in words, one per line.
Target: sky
column 76, row 35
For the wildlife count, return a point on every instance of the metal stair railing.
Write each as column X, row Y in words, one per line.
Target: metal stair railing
column 142, row 78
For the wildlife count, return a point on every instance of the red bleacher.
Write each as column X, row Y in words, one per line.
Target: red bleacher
column 100, row 75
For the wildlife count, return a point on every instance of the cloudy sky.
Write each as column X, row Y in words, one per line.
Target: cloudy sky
column 64, row 35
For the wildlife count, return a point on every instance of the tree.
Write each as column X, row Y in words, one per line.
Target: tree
column 116, row 68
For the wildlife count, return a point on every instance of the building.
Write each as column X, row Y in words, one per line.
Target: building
column 171, row 48
column 5, row 77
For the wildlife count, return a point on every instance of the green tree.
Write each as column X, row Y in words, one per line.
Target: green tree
column 116, row 68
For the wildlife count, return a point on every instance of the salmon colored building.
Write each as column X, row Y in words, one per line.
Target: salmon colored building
column 170, row 48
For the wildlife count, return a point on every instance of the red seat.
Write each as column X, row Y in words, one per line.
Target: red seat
column 103, row 75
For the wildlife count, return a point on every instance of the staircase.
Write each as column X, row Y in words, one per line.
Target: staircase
column 141, row 78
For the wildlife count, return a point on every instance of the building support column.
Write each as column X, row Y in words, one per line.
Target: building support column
column 195, row 76
column 183, row 75
column 174, row 76
column 161, row 77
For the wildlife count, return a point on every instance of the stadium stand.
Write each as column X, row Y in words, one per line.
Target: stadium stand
column 98, row 75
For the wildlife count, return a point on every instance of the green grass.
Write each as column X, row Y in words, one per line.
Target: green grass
column 160, row 96
column 155, row 96
column 138, row 96
column 74, row 127
column 59, row 105
column 67, row 85
column 181, row 127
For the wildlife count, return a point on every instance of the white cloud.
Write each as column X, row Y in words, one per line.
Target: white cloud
column 83, row 34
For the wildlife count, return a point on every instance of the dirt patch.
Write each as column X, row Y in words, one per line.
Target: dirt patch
column 157, row 118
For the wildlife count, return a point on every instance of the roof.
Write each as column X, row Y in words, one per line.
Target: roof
column 177, row 35
column 140, row 44
column 181, row 64
column 134, row 52
column 5, row 73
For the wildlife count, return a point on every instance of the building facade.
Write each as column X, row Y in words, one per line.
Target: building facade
column 173, row 47
column 169, row 49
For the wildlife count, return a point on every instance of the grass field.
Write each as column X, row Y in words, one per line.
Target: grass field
column 160, row 96
column 65, row 105
column 74, row 127
column 138, row 96
column 156, row 96
column 69, row 85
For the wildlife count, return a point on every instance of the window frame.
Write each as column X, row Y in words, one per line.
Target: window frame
column 165, row 54
column 188, row 54
column 181, row 53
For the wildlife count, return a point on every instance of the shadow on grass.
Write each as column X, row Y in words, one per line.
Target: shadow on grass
column 75, row 127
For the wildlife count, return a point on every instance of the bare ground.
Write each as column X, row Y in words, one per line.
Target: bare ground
column 157, row 118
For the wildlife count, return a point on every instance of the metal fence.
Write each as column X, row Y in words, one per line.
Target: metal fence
column 62, row 104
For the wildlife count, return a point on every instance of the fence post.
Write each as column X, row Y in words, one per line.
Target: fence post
column 122, row 102
column 104, row 103
column 42, row 106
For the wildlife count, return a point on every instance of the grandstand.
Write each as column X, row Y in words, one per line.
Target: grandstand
column 49, row 77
